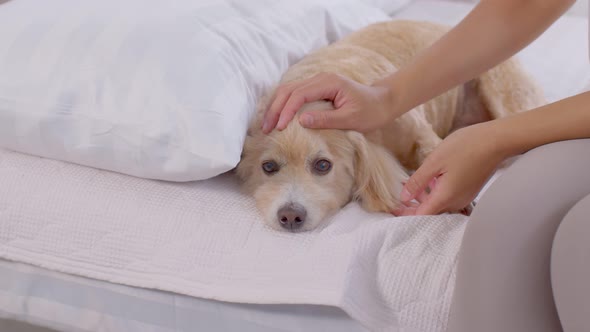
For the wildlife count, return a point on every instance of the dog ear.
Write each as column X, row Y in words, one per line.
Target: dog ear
column 255, row 125
column 254, row 130
column 253, row 142
column 247, row 157
column 378, row 175
column 244, row 166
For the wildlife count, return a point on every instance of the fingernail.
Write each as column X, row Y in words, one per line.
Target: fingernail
column 306, row 120
column 265, row 126
column 406, row 195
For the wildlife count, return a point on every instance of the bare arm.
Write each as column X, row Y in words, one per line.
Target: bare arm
column 490, row 34
column 467, row 158
column 563, row 120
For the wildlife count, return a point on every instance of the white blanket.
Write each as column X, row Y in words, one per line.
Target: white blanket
column 205, row 239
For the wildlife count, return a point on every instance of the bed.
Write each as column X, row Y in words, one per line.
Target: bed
column 369, row 272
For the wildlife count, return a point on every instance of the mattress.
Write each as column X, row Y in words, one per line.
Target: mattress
column 77, row 303
column 71, row 303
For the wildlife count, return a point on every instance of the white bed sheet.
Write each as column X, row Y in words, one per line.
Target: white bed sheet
column 389, row 273
column 206, row 240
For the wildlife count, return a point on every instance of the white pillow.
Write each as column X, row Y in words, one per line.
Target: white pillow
column 151, row 88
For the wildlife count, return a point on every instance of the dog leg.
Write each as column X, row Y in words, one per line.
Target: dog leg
column 507, row 89
column 427, row 141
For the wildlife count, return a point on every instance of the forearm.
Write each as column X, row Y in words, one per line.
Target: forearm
column 563, row 120
column 490, row 34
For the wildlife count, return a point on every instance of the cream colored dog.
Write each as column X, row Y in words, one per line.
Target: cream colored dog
column 300, row 176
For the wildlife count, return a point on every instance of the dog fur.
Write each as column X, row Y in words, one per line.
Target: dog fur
column 369, row 167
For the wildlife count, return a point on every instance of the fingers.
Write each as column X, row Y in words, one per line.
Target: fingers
column 418, row 182
column 406, row 209
column 410, row 208
column 291, row 97
column 421, row 197
column 435, row 204
column 339, row 119
column 313, row 91
column 282, row 94
column 428, row 204
column 438, row 200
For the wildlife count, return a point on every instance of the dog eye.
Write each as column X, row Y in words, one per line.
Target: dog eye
column 270, row 167
column 322, row 166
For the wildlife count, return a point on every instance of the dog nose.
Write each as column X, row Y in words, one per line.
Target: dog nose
column 292, row 216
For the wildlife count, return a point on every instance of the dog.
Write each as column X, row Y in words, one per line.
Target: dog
column 300, row 176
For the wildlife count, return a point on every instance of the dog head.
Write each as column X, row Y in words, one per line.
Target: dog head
column 299, row 176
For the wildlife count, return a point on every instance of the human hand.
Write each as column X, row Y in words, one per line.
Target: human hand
column 357, row 107
column 454, row 173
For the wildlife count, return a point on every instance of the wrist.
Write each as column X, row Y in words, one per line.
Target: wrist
column 502, row 141
column 393, row 97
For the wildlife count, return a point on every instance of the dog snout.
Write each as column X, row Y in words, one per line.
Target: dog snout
column 292, row 216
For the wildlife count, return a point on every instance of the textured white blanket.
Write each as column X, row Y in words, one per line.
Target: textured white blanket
column 205, row 239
